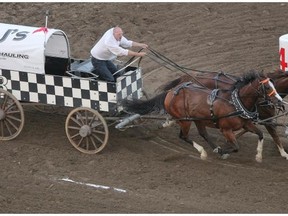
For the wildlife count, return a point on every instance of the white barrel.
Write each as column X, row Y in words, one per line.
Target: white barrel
column 283, row 52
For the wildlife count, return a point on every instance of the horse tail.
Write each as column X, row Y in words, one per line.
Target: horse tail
column 171, row 84
column 144, row 107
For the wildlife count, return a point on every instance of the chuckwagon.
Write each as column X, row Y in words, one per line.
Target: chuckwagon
column 36, row 67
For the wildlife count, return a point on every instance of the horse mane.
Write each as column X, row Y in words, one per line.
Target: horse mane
column 171, row 84
column 247, row 78
column 277, row 74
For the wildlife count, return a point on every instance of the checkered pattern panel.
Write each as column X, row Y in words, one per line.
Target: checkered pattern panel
column 129, row 86
column 71, row 92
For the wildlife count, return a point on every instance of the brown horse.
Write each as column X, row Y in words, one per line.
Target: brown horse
column 222, row 80
column 224, row 109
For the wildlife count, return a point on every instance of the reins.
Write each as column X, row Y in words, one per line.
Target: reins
column 155, row 56
column 233, row 114
column 172, row 63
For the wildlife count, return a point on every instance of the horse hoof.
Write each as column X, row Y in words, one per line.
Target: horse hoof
column 167, row 123
column 259, row 159
column 224, row 156
column 217, row 150
column 203, row 156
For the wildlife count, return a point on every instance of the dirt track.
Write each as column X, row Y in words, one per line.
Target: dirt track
column 149, row 170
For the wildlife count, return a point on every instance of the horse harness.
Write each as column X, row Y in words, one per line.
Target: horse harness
column 177, row 90
column 246, row 114
column 211, row 98
column 235, row 101
column 217, row 79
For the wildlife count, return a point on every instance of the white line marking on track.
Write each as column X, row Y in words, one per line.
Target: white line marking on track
column 93, row 185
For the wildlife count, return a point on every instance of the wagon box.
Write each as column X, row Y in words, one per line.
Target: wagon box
column 36, row 67
column 72, row 92
column 34, row 62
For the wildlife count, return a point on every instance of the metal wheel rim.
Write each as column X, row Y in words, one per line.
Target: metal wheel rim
column 13, row 121
column 85, row 118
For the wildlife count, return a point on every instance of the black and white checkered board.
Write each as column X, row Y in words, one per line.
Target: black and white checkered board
column 73, row 92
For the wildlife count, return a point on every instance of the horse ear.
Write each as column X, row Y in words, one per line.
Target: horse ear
column 262, row 73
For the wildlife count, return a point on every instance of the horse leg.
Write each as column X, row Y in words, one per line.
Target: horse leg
column 272, row 131
column 231, row 139
column 253, row 129
column 167, row 123
column 203, row 132
column 240, row 133
column 185, row 127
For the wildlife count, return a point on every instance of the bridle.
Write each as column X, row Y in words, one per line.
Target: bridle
column 246, row 114
column 273, row 92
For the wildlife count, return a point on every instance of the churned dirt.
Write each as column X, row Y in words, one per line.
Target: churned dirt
column 145, row 169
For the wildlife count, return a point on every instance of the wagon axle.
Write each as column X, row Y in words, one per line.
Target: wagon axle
column 85, row 131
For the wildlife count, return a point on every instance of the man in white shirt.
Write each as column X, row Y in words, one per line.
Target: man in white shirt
column 111, row 45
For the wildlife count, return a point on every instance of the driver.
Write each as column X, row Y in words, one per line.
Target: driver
column 111, row 45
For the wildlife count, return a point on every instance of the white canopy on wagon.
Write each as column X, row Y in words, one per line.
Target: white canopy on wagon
column 25, row 48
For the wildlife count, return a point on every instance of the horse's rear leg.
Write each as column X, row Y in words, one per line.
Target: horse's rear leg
column 272, row 131
column 240, row 133
column 203, row 132
column 184, row 131
column 231, row 139
column 167, row 123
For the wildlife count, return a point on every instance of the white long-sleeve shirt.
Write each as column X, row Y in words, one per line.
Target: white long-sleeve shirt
column 108, row 48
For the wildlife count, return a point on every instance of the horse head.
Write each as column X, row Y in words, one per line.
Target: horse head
column 258, row 86
column 280, row 80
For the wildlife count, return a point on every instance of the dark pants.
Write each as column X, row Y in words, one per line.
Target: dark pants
column 104, row 69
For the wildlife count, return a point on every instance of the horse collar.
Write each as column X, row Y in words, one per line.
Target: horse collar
column 246, row 114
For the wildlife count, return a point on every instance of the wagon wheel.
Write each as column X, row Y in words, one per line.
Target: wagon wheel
column 86, row 130
column 11, row 116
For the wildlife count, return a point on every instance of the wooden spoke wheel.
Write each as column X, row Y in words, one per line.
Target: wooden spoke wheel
column 11, row 116
column 87, row 130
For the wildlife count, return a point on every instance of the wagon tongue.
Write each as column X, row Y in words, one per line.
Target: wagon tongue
column 127, row 120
